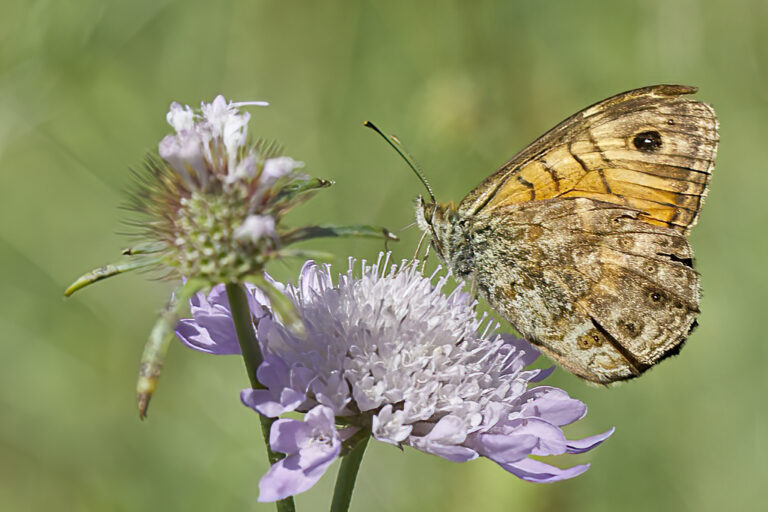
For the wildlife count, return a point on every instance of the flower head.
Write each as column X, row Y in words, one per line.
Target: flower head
column 388, row 352
column 212, row 202
column 210, row 206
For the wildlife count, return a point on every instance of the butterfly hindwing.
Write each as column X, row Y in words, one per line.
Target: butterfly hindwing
column 604, row 293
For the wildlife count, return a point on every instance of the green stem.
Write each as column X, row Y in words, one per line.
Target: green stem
column 345, row 481
column 241, row 316
column 249, row 346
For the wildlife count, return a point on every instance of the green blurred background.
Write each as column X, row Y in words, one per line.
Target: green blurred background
column 84, row 88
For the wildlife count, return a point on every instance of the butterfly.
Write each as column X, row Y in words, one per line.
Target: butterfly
column 580, row 240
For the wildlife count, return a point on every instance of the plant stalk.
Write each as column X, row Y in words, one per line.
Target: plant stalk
column 249, row 346
column 345, row 481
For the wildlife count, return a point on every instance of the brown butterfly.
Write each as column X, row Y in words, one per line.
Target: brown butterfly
column 580, row 240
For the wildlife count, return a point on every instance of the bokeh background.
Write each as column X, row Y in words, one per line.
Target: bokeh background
column 84, row 88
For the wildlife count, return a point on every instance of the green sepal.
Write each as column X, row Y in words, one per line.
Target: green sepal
column 144, row 248
column 330, row 231
column 112, row 269
column 153, row 357
column 295, row 193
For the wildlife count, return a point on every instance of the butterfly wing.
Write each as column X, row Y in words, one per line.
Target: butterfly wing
column 601, row 291
column 650, row 149
column 580, row 239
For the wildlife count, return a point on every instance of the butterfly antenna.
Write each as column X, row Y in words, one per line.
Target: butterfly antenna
column 398, row 146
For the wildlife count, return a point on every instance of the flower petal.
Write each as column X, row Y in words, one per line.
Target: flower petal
column 254, row 228
column 212, row 336
column 551, row 440
column 333, row 391
column 454, row 453
column 285, row 387
column 264, row 402
column 287, row 436
column 444, row 440
column 275, row 168
column 388, row 426
column 211, row 329
column 286, row 478
column 586, row 444
column 281, row 481
column 536, row 471
column 312, row 445
column 553, row 405
column 273, row 372
column 180, row 118
column 503, row 448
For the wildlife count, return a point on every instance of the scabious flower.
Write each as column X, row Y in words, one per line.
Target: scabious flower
column 210, row 206
column 213, row 201
column 389, row 353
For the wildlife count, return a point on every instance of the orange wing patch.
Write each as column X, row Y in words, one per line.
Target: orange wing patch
column 651, row 150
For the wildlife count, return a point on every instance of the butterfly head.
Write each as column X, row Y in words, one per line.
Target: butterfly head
column 437, row 220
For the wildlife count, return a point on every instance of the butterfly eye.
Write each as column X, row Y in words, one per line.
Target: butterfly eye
column 647, row 141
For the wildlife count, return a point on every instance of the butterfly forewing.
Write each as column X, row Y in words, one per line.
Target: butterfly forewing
column 651, row 149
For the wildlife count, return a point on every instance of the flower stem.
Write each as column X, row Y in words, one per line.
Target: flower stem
column 241, row 316
column 345, row 481
column 249, row 346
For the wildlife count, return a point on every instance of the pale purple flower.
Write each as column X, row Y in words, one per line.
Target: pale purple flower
column 276, row 168
column 212, row 203
column 310, row 447
column 286, row 387
column 390, row 353
column 197, row 135
column 211, row 328
column 185, row 156
column 256, row 227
